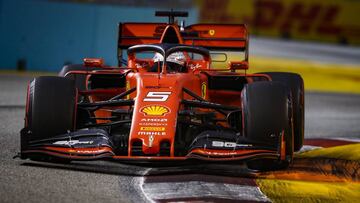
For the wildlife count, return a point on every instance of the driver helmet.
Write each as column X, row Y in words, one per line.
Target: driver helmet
column 176, row 57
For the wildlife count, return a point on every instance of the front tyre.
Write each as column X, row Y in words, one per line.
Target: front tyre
column 51, row 107
column 266, row 118
column 296, row 84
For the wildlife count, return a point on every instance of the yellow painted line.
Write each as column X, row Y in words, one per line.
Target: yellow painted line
column 307, row 191
column 317, row 76
column 345, row 152
column 27, row 73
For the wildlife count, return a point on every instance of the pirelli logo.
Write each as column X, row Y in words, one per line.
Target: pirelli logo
column 151, row 128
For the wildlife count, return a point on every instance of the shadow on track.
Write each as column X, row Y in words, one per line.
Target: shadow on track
column 104, row 167
column 322, row 169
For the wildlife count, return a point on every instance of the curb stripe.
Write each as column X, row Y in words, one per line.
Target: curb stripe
column 327, row 142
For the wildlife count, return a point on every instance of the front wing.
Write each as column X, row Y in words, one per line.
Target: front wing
column 94, row 144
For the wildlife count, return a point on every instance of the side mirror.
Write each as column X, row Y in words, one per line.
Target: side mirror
column 218, row 57
column 238, row 65
column 93, row 62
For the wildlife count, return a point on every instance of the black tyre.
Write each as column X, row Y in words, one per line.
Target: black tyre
column 296, row 84
column 51, row 107
column 266, row 114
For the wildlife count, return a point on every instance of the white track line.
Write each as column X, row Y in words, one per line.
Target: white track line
column 306, row 148
column 139, row 181
column 346, row 139
column 200, row 189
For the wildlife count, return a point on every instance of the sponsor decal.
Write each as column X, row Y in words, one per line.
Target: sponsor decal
column 146, row 128
column 160, row 120
column 72, row 142
column 153, row 124
column 151, row 140
column 82, row 151
column 155, row 110
column 322, row 20
column 203, row 90
column 157, row 96
column 195, row 67
column 151, row 133
column 228, row 144
column 127, row 88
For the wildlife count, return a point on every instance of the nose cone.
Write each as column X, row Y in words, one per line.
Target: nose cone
column 155, row 115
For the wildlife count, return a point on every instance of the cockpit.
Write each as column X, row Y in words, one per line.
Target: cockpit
column 179, row 58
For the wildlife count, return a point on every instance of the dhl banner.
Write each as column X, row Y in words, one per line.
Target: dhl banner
column 335, row 21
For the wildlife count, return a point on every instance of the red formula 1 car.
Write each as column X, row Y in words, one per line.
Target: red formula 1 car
column 168, row 103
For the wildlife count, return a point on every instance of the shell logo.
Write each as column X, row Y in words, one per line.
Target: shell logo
column 155, row 110
column 211, row 32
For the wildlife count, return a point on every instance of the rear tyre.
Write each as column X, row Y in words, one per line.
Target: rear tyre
column 296, row 85
column 266, row 115
column 51, row 107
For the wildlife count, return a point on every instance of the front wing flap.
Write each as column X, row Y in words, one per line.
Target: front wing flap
column 85, row 144
column 92, row 144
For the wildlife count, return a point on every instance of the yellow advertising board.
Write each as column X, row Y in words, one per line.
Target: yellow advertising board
column 321, row 20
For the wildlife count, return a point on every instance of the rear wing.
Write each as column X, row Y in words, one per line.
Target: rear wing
column 224, row 37
column 139, row 33
column 229, row 37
